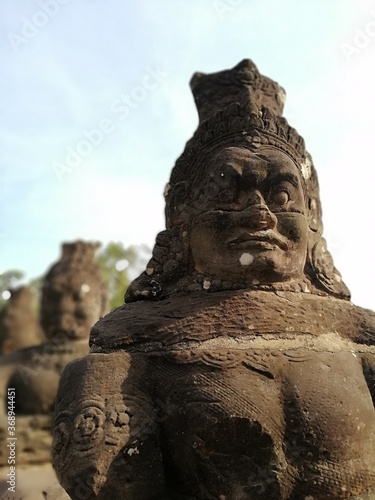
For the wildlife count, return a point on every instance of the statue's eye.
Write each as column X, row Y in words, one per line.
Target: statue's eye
column 226, row 196
column 281, row 197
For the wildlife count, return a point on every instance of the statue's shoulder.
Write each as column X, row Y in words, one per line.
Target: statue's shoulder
column 365, row 319
column 116, row 325
column 136, row 322
column 161, row 323
column 199, row 317
column 341, row 316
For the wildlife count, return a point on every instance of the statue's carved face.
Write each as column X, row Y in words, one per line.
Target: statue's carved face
column 252, row 224
column 71, row 310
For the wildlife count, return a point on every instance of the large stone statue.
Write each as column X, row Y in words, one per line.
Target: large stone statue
column 73, row 299
column 238, row 368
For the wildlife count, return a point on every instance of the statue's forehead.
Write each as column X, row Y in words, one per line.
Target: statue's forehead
column 267, row 159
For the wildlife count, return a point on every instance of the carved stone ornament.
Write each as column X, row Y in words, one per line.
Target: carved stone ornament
column 238, row 367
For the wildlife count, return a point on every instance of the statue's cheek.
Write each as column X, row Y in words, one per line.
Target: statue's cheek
column 211, row 222
column 293, row 226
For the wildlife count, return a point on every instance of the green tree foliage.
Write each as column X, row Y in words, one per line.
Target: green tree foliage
column 115, row 262
column 8, row 280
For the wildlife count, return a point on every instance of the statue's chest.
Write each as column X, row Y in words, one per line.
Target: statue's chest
column 263, row 416
column 316, row 387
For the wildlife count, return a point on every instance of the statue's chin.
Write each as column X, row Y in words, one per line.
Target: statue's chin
column 252, row 268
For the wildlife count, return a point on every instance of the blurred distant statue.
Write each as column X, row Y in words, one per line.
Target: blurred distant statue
column 19, row 325
column 73, row 299
column 73, row 294
column 238, row 369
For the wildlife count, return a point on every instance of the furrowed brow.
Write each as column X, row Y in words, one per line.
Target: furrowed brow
column 277, row 178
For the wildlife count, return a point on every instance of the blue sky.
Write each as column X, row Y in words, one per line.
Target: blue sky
column 70, row 65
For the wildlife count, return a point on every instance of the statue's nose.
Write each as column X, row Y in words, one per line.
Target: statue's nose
column 254, row 197
column 257, row 214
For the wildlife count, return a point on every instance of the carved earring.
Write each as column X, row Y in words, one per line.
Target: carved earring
column 327, row 276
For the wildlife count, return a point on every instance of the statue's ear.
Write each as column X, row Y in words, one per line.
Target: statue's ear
column 314, row 221
column 175, row 204
column 322, row 271
column 320, row 266
column 315, row 214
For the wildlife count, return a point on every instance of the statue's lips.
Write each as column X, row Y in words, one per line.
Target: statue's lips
column 265, row 239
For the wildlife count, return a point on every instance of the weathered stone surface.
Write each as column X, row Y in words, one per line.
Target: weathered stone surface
column 19, row 327
column 238, row 368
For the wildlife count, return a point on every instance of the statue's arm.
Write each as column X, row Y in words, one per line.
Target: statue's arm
column 106, row 443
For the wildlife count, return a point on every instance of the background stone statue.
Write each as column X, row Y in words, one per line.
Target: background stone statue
column 238, row 368
column 19, row 326
column 73, row 299
column 73, row 294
